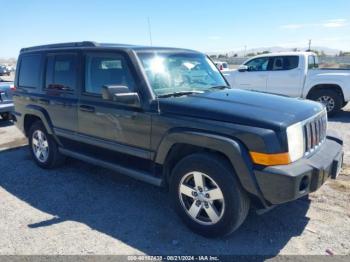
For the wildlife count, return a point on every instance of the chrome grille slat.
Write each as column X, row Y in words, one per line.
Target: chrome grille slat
column 308, row 137
column 315, row 131
column 317, row 125
column 313, row 135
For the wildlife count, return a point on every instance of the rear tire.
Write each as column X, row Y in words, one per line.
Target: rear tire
column 43, row 147
column 332, row 100
column 209, row 213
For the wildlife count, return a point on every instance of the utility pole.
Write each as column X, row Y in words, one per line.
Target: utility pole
column 245, row 50
column 309, row 44
column 149, row 30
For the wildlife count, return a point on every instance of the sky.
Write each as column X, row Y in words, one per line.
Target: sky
column 204, row 25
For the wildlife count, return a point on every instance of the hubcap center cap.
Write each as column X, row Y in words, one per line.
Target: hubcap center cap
column 201, row 197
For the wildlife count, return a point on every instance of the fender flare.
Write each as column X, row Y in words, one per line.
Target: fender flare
column 44, row 117
column 307, row 89
column 42, row 114
column 234, row 150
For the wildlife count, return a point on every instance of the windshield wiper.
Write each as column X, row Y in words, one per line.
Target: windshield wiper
column 180, row 93
column 219, row 87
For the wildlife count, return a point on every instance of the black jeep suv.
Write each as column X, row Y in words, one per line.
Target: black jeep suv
column 168, row 117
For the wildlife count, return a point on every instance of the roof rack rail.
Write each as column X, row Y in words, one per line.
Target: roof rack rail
column 61, row 45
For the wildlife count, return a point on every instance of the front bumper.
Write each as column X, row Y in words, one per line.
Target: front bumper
column 280, row 184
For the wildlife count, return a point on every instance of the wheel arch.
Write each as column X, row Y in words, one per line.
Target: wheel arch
column 177, row 145
column 36, row 113
column 332, row 86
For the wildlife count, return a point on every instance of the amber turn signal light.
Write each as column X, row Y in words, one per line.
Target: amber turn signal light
column 270, row 159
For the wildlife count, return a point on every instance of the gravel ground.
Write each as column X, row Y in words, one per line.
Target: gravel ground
column 84, row 209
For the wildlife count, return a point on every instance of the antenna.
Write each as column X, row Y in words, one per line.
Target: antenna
column 149, row 30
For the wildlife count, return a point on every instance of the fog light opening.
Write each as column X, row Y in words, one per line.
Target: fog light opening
column 304, row 183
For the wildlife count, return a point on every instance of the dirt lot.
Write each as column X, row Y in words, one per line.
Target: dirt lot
column 83, row 209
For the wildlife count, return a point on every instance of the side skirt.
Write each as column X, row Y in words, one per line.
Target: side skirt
column 140, row 175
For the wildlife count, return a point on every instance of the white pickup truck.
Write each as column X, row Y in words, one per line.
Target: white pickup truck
column 294, row 74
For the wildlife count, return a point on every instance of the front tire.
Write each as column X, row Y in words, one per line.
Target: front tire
column 43, row 147
column 331, row 99
column 207, row 196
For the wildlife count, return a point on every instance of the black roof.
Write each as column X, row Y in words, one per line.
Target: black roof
column 89, row 44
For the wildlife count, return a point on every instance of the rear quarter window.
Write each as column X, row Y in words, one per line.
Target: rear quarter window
column 29, row 71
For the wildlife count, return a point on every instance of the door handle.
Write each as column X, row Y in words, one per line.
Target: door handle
column 85, row 108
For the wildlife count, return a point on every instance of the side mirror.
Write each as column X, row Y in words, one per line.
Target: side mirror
column 243, row 68
column 121, row 94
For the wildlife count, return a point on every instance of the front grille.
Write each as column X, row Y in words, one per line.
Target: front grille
column 315, row 131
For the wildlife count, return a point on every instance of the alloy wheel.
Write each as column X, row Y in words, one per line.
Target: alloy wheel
column 40, row 146
column 328, row 102
column 201, row 198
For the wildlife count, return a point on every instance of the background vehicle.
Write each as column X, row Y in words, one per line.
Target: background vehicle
column 6, row 103
column 11, row 68
column 4, row 70
column 222, row 66
column 140, row 113
column 294, row 74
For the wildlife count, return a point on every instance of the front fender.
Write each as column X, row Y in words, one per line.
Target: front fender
column 232, row 149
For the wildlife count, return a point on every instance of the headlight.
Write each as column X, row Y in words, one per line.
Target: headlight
column 296, row 145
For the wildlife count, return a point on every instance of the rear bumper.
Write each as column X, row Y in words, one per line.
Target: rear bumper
column 280, row 184
column 6, row 107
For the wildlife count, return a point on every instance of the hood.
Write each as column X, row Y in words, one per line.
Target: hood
column 242, row 107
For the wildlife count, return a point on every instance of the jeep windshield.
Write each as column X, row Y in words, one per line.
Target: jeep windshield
column 176, row 73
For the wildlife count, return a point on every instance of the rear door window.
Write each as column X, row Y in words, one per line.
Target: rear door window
column 29, row 71
column 285, row 63
column 61, row 72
